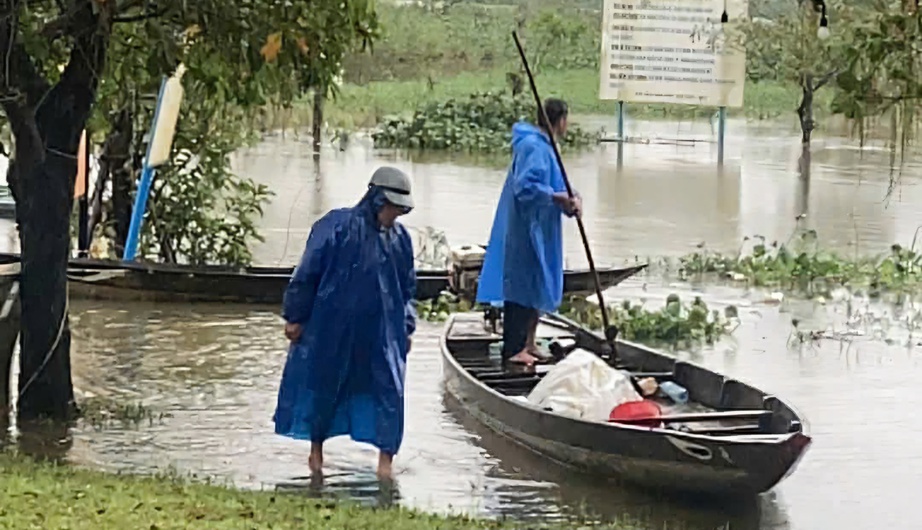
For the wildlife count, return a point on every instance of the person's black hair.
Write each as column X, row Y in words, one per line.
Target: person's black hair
column 556, row 110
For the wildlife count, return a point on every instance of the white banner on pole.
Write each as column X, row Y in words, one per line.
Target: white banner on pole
column 671, row 51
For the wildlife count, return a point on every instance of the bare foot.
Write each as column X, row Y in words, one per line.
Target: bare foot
column 315, row 461
column 523, row 357
column 385, row 467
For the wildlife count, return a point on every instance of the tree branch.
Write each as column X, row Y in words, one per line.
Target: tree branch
column 20, row 81
column 72, row 98
column 141, row 16
column 829, row 76
column 64, row 23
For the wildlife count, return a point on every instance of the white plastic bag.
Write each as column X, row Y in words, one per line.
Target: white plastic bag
column 583, row 386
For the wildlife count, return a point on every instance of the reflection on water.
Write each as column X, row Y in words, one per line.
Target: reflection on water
column 215, row 369
column 665, row 200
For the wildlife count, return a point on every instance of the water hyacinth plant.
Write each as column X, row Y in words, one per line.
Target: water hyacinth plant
column 674, row 324
column 482, row 122
column 799, row 265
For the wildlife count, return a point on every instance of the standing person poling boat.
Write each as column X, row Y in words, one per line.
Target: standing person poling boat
column 523, row 266
column 349, row 313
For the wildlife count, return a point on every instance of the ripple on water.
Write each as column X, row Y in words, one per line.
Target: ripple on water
column 216, row 368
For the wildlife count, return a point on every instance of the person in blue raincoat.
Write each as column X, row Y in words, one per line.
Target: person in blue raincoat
column 350, row 314
column 523, row 266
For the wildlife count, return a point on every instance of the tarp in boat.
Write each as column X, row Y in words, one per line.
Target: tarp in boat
column 583, row 386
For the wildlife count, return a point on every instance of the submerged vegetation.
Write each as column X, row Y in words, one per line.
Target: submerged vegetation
column 480, row 122
column 800, row 266
column 675, row 324
column 101, row 413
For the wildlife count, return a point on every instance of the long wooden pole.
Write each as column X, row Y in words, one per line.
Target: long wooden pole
column 566, row 181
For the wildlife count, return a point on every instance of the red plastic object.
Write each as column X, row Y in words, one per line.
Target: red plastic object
column 637, row 409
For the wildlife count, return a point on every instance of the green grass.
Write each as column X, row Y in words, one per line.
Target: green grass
column 38, row 495
column 363, row 106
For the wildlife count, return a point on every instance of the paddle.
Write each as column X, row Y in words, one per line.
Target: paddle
column 609, row 334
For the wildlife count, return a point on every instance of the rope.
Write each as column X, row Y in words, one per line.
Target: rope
column 291, row 212
column 50, row 353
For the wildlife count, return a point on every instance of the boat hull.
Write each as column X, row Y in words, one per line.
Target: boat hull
column 127, row 281
column 651, row 458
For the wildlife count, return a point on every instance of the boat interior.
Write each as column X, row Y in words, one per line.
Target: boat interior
column 717, row 406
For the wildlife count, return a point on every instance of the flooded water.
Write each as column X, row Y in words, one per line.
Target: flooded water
column 215, row 369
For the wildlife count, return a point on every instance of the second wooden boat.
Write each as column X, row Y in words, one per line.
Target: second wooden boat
column 118, row 280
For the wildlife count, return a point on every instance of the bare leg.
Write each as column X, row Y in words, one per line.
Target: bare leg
column 385, row 466
column 315, row 461
column 531, row 345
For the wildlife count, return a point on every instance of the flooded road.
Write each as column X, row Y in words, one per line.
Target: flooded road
column 215, row 369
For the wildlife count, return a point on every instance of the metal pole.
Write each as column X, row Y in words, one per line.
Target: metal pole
column 610, row 332
column 620, row 134
column 721, row 132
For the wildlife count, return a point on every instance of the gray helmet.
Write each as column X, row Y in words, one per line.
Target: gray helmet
column 395, row 184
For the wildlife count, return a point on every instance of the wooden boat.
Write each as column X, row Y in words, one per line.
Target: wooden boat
column 117, row 280
column 734, row 440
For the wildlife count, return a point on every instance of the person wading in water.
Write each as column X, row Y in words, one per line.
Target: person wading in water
column 349, row 313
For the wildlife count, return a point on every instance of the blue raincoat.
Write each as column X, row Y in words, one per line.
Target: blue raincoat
column 524, row 259
column 353, row 294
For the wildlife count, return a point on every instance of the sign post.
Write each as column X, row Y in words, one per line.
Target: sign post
column 620, row 134
column 674, row 52
column 162, row 131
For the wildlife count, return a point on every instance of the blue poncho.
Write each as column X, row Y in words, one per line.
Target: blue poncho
column 353, row 294
column 524, row 259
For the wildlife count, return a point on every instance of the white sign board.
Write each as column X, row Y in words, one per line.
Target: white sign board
column 671, row 51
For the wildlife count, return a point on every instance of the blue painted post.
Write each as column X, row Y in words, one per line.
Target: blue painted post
column 620, row 133
column 140, row 198
column 137, row 213
column 721, row 133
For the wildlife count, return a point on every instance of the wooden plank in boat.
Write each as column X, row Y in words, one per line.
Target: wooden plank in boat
column 697, row 417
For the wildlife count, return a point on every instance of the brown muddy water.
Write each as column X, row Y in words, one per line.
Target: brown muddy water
column 215, row 369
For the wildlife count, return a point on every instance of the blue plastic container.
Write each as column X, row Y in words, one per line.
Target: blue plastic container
column 677, row 393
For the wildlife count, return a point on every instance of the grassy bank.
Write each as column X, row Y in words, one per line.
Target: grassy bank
column 44, row 496
column 362, row 106
column 428, row 55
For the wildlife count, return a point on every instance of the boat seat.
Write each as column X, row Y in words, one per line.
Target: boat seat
column 763, row 417
column 704, row 386
column 510, row 378
column 727, row 431
column 784, row 420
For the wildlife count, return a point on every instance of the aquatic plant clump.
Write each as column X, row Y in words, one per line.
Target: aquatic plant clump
column 482, row 122
column 800, row 266
column 675, row 323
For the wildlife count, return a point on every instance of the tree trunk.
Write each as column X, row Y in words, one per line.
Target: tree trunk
column 115, row 155
column 46, row 122
column 122, row 173
column 805, row 110
column 47, row 200
column 317, row 129
column 803, row 194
